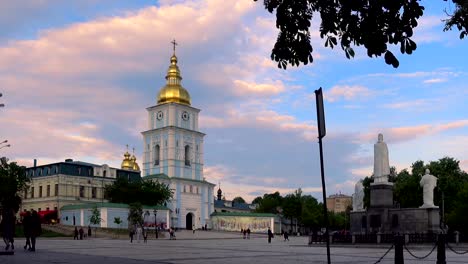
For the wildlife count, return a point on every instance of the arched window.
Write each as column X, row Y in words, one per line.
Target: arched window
column 157, row 149
column 187, row 155
column 104, row 172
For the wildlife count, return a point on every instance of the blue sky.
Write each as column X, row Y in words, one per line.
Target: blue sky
column 78, row 76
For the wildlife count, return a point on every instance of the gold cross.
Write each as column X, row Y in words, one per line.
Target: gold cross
column 174, row 43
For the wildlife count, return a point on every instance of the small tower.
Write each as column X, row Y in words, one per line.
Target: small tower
column 220, row 193
column 127, row 163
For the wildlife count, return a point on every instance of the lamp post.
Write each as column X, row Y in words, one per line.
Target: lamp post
column 3, row 142
column 2, row 105
column 155, row 223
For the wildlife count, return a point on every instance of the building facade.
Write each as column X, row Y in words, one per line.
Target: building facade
column 338, row 203
column 55, row 185
column 173, row 153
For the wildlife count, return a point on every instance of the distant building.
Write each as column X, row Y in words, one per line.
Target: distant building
column 58, row 184
column 221, row 205
column 338, row 203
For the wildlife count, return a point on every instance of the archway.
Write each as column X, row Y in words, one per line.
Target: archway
column 189, row 221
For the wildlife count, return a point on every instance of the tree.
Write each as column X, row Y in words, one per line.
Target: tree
column 95, row 218
column 117, row 221
column 375, row 25
column 135, row 214
column 238, row 200
column 144, row 192
column 292, row 206
column 14, row 182
column 270, row 203
column 257, row 200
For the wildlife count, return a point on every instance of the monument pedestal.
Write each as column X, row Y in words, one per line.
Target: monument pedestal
column 381, row 195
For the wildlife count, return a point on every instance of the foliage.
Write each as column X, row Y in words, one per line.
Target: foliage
column 374, row 25
column 238, row 200
column 292, row 206
column 144, row 192
column 135, row 214
column 14, row 182
column 459, row 214
column 270, row 203
column 366, row 184
column 117, row 221
column 257, row 200
column 95, row 217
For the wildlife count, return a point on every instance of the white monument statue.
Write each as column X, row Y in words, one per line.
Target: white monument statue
column 358, row 197
column 428, row 182
column 381, row 165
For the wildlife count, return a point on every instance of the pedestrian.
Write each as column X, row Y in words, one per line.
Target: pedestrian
column 242, row 231
column 89, row 231
column 270, row 235
column 286, row 236
column 81, row 231
column 206, row 227
column 36, row 229
column 145, row 235
column 138, row 233
column 8, row 228
column 75, row 236
column 248, row 233
column 27, row 230
column 131, row 233
column 245, row 233
column 193, row 228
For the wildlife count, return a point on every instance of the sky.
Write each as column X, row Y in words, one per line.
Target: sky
column 78, row 75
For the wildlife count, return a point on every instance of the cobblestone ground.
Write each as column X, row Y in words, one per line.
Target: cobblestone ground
column 215, row 250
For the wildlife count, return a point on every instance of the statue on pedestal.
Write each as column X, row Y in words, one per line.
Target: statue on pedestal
column 428, row 182
column 358, row 197
column 381, row 164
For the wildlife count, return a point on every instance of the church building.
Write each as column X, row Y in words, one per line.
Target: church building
column 173, row 153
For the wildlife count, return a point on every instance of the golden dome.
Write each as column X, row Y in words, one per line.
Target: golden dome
column 173, row 92
column 127, row 163
column 135, row 166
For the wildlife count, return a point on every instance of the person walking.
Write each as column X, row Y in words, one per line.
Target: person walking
column 248, row 233
column 75, row 234
column 36, row 229
column 286, row 236
column 145, row 235
column 270, row 235
column 8, row 228
column 81, row 231
column 27, row 230
column 89, row 231
column 193, row 228
column 138, row 233
column 131, row 233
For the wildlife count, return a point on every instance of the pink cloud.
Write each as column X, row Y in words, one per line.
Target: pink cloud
column 346, row 92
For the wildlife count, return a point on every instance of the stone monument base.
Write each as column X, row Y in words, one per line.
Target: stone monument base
column 392, row 220
column 381, row 195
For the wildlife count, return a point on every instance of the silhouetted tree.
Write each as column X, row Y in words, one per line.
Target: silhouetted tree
column 13, row 183
column 372, row 24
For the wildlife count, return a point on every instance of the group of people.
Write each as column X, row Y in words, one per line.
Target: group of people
column 31, row 228
column 81, row 233
column 139, row 232
column 245, row 233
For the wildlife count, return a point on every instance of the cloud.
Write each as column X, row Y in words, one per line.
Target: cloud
column 243, row 88
column 347, row 93
column 419, row 104
column 435, row 80
column 402, row 134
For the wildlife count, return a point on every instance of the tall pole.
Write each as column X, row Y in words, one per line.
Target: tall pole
column 322, row 133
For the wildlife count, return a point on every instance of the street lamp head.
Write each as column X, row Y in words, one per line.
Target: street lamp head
column 2, row 105
column 4, row 141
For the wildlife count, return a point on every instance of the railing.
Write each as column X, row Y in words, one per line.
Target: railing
column 422, row 238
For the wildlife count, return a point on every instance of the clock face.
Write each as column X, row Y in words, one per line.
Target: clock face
column 185, row 115
column 159, row 115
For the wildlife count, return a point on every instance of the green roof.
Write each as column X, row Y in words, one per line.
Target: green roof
column 242, row 214
column 108, row 205
column 165, row 177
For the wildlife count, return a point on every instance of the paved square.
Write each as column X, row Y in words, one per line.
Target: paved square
column 228, row 250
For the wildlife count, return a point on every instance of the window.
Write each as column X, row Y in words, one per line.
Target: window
column 93, row 192
column 32, row 173
column 56, row 169
column 39, row 172
column 79, row 171
column 39, row 209
column 104, row 173
column 47, row 171
column 40, row 191
column 185, row 190
column 89, row 172
column 56, row 189
column 157, row 150
column 32, row 192
column 187, row 155
column 191, row 189
column 47, row 209
column 48, row 190
column 26, row 194
column 81, row 191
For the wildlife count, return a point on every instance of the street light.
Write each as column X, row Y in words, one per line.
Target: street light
column 155, row 223
column 6, row 146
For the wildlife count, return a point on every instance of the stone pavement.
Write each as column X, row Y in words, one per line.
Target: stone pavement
column 210, row 250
